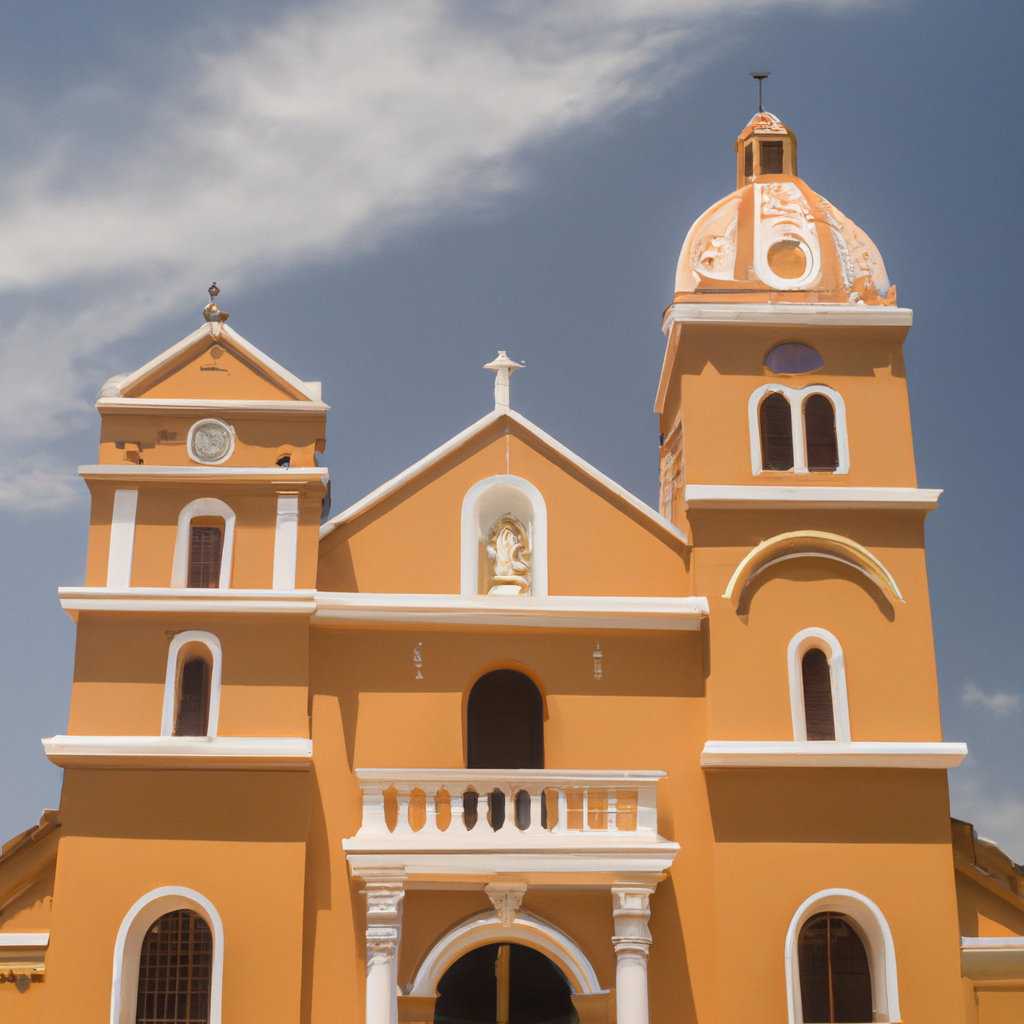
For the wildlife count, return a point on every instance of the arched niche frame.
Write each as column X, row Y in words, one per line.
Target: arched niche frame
column 870, row 924
column 797, row 398
column 810, row 544
column 526, row 930
column 798, row 647
column 199, row 508
column 176, row 653
column 128, row 948
column 484, row 503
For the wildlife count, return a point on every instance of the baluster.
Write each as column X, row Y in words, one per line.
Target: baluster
column 455, row 797
column 613, row 816
column 563, row 812
column 404, row 796
column 374, row 820
column 536, row 801
column 586, row 808
column 430, row 813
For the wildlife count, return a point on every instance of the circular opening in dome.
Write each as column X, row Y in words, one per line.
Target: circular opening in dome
column 793, row 357
column 787, row 260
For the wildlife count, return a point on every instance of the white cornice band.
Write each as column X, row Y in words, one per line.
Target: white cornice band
column 24, row 940
column 186, row 599
column 129, row 473
column 223, row 406
column 768, row 495
column 829, row 754
column 270, row 752
column 781, row 314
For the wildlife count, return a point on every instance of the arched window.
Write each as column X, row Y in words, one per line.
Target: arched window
column 776, row 428
column 505, row 722
column 206, row 544
column 820, row 434
column 175, row 971
column 835, row 976
column 817, row 686
column 192, row 685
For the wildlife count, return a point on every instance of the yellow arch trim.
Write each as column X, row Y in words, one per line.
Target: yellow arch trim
column 809, row 543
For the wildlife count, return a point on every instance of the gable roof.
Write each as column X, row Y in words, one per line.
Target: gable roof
column 120, row 388
column 520, row 426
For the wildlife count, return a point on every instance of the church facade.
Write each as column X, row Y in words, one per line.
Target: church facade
column 500, row 742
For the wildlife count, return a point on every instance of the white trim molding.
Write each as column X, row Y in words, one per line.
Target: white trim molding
column 542, row 613
column 785, row 314
column 286, row 541
column 122, row 538
column 24, row 940
column 526, row 930
column 212, row 644
column 224, row 406
column 232, row 752
column 873, row 930
column 770, row 495
column 484, row 503
column 992, row 959
column 816, row 754
column 128, row 948
column 798, row 647
column 797, row 399
column 194, row 510
column 180, row 599
column 273, row 475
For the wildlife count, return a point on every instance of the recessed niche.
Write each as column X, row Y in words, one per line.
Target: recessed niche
column 793, row 357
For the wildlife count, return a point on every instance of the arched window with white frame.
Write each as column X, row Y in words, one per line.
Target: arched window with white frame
column 840, row 961
column 192, row 685
column 817, row 687
column 504, row 539
column 813, row 441
column 204, row 545
column 168, row 960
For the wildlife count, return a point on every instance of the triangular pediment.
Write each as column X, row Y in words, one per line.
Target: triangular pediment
column 214, row 363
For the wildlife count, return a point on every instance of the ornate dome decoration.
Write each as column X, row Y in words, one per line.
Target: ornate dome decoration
column 774, row 239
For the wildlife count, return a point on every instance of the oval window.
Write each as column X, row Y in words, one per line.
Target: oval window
column 793, row 357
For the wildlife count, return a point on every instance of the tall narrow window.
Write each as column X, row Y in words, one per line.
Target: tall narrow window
column 193, row 710
column 818, row 713
column 835, row 978
column 748, row 160
column 205, row 543
column 820, row 430
column 776, row 432
column 505, row 722
column 175, row 968
column 771, row 157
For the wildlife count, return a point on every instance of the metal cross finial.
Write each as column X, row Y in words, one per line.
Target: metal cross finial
column 760, row 76
column 503, row 368
column 211, row 312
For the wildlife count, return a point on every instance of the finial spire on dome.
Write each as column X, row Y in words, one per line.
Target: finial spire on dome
column 211, row 312
column 760, row 76
column 503, row 368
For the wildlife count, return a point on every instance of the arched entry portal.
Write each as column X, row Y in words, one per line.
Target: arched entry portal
column 504, row 983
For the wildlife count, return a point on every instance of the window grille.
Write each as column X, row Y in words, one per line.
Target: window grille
column 835, row 978
column 776, row 433
column 818, row 713
column 175, row 969
column 204, row 556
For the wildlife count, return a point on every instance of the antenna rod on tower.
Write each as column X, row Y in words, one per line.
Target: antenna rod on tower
column 760, row 76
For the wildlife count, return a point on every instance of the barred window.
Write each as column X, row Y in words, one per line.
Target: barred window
column 175, row 969
column 818, row 712
column 835, row 978
column 206, row 541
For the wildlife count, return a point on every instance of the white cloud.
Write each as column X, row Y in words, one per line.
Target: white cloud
column 310, row 138
column 998, row 703
column 998, row 814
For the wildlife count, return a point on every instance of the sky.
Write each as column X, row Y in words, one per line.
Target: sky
column 388, row 193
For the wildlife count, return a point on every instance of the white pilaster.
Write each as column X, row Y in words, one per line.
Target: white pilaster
column 286, row 541
column 122, row 539
column 631, row 909
column 384, row 895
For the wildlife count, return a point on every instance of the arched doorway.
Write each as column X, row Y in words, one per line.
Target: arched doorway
column 505, row 722
column 504, row 983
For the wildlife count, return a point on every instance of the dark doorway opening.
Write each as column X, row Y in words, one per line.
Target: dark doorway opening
column 505, row 722
column 504, row 983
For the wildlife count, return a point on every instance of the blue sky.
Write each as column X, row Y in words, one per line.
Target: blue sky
column 389, row 193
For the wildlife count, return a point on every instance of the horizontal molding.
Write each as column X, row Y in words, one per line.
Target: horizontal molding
column 24, row 940
column 829, row 754
column 560, row 612
column 280, row 407
column 130, row 473
column 521, row 776
column 992, row 959
column 770, row 495
column 186, row 599
column 799, row 314
column 270, row 752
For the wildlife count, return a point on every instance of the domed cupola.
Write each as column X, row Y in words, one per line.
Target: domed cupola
column 776, row 240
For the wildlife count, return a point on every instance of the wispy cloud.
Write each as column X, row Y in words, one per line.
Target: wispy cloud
column 995, row 813
column 998, row 703
column 310, row 138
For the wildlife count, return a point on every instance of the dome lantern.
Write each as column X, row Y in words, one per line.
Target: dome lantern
column 765, row 146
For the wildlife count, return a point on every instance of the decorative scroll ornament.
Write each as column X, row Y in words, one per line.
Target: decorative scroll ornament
column 507, row 898
column 508, row 548
column 787, row 255
column 713, row 252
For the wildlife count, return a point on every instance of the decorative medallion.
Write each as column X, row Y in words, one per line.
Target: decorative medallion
column 210, row 441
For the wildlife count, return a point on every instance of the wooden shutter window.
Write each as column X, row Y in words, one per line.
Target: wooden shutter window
column 818, row 714
column 835, row 977
column 206, row 542
column 193, row 714
column 820, row 427
column 175, row 971
column 776, row 433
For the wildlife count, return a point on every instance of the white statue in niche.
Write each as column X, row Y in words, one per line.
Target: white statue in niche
column 508, row 548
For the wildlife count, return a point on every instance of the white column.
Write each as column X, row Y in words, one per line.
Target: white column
column 286, row 541
column 631, row 909
column 384, row 896
column 122, row 539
